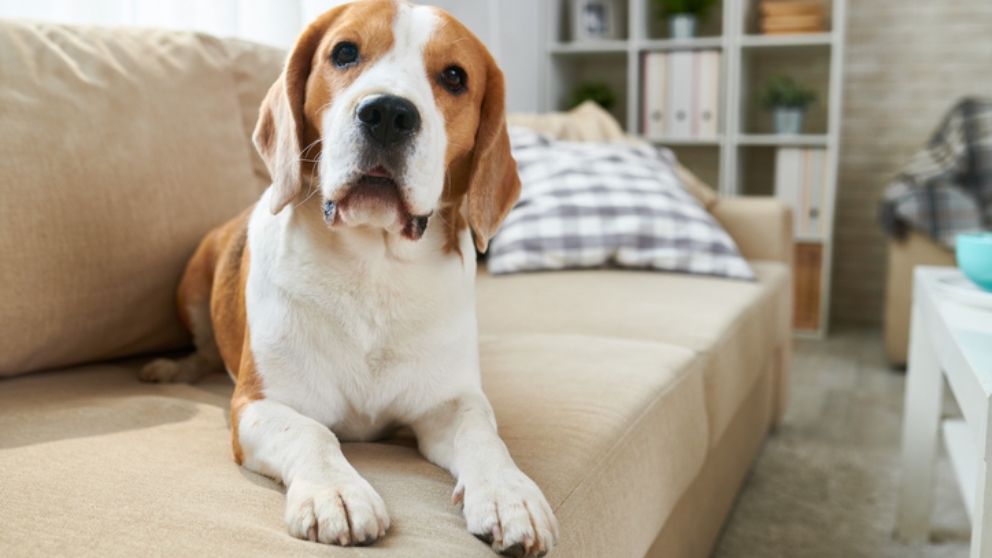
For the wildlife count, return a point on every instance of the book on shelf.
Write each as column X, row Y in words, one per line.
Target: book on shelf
column 806, row 285
column 654, row 65
column 802, row 180
column 779, row 17
column 680, row 94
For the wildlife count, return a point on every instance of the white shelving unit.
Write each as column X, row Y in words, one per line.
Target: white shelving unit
column 740, row 160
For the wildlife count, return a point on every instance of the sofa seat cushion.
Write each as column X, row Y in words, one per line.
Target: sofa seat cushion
column 735, row 326
column 96, row 463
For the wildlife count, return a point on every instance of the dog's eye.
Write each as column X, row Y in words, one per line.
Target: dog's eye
column 453, row 78
column 345, row 54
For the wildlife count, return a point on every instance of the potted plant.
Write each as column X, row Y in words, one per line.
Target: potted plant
column 683, row 15
column 595, row 91
column 788, row 101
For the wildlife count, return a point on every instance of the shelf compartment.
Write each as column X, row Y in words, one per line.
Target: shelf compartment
column 561, row 13
column 810, row 67
column 568, row 72
column 655, row 23
column 751, row 14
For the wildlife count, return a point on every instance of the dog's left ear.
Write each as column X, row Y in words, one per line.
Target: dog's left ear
column 494, row 185
column 281, row 122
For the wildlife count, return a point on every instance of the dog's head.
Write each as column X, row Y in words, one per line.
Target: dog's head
column 395, row 113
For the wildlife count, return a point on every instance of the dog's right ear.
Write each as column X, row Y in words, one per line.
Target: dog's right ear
column 279, row 133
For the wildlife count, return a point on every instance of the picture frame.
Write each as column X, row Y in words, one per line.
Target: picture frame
column 597, row 20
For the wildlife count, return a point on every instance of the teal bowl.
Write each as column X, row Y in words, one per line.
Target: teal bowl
column 974, row 253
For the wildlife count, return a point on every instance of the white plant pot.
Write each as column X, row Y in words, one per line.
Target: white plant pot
column 682, row 26
column 788, row 120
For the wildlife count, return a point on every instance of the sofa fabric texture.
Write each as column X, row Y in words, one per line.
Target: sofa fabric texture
column 636, row 400
column 107, row 185
column 126, row 468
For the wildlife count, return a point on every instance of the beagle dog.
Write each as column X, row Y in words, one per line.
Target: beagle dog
column 342, row 303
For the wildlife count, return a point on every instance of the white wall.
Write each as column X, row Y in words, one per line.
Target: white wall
column 510, row 28
column 513, row 32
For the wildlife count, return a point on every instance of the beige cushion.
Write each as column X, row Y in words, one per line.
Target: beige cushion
column 736, row 326
column 590, row 122
column 586, row 122
column 254, row 68
column 761, row 227
column 96, row 463
column 120, row 149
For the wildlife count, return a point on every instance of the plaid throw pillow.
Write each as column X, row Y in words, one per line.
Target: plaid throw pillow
column 594, row 204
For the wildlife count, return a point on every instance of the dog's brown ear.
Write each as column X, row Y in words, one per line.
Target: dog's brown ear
column 281, row 123
column 494, row 185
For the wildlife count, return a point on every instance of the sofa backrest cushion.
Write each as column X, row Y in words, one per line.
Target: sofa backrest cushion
column 255, row 68
column 119, row 150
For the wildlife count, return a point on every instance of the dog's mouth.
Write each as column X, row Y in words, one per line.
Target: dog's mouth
column 375, row 197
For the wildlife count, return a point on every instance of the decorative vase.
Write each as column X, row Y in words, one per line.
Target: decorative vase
column 788, row 120
column 682, row 26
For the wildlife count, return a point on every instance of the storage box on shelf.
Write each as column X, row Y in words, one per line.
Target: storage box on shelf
column 737, row 150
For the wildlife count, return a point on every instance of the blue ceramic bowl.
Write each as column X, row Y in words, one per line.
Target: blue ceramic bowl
column 974, row 253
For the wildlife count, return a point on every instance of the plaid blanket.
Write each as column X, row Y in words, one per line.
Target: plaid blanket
column 947, row 187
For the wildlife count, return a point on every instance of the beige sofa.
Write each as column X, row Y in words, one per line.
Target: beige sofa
column 636, row 400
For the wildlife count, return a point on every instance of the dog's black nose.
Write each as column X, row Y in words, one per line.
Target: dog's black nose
column 389, row 120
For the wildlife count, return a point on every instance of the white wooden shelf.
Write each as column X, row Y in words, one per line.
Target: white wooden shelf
column 783, row 140
column 686, row 141
column 797, row 40
column 568, row 64
column 590, row 47
column 681, row 44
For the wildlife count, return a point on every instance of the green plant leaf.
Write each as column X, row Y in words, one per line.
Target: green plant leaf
column 595, row 91
column 698, row 8
column 784, row 92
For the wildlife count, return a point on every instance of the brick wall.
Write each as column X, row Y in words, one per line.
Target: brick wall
column 907, row 62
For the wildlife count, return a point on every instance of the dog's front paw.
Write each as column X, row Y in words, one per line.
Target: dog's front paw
column 345, row 512
column 509, row 512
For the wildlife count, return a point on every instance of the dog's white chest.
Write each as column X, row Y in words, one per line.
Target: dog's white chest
column 352, row 337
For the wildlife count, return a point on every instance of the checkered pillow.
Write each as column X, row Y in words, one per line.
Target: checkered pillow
column 594, row 204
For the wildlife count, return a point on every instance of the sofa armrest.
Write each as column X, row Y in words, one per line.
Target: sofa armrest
column 761, row 227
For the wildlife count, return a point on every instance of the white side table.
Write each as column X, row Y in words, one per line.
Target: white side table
column 952, row 340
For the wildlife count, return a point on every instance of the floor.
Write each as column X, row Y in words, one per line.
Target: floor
column 826, row 481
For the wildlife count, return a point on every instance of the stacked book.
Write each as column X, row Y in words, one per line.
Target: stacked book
column 802, row 179
column 779, row 17
column 681, row 94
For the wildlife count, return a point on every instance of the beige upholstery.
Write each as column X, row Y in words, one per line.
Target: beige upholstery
column 108, row 186
column 762, row 227
column 99, row 464
column 917, row 249
column 699, row 516
column 636, row 400
column 733, row 325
